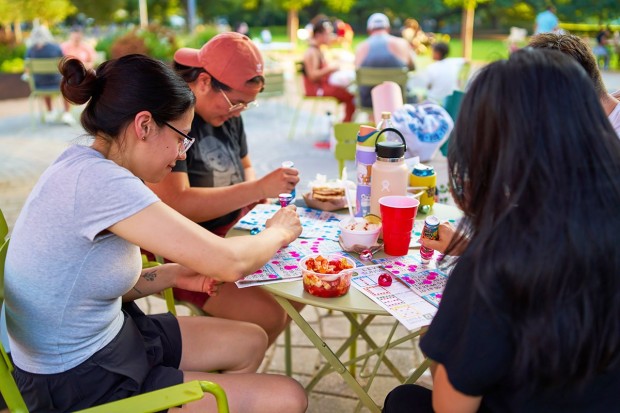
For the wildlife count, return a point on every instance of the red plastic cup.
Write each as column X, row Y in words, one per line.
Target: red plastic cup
column 397, row 217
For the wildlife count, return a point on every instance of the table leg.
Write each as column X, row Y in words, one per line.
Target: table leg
column 389, row 344
column 288, row 359
column 347, row 344
column 415, row 376
column 329, row 355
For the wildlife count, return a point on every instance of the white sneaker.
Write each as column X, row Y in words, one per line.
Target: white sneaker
column 50, row 117
column 68, row 119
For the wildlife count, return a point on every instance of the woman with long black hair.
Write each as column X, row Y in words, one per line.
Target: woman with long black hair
column 530, row 318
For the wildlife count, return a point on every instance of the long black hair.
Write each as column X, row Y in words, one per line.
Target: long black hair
column 535, row 166
column 120, row 88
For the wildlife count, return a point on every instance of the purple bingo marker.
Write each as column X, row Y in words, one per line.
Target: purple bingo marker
column 289, row 164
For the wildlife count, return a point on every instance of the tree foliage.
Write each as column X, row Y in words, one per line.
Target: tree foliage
column 102, row 11
column 46, row 11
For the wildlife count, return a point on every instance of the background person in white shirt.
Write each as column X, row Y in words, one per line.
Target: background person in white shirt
column 442, row 76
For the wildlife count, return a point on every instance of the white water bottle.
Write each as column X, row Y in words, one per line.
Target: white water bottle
column 390, row 174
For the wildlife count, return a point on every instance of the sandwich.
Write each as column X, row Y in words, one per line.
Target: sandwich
column 327, row 193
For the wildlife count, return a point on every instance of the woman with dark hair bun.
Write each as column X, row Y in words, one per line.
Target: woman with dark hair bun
column 73, row 267
column 530, row 317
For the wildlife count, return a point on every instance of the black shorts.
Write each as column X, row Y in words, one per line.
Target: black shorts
column 144, row 356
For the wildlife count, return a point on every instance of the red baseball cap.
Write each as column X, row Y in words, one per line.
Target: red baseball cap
column 231, row 58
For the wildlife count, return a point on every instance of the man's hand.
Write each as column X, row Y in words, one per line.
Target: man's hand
column 282, row 180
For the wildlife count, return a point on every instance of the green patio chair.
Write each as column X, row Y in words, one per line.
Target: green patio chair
column 41, row 66
column 346, row 139
column 144, row 403
column 452, row 105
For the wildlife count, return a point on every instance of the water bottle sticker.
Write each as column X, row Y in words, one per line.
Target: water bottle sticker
column 362, row 201
column 365, row 204
column 364, row 139
column 364, row 173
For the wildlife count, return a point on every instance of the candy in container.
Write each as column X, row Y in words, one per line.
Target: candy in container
column 327, row 276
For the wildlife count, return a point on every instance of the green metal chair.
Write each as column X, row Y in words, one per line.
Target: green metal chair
column 275, row 85
column 4, row 245
column 373, row 76
column 144, row 403
column 452, row 105
column 41, row 66
column 346, row 139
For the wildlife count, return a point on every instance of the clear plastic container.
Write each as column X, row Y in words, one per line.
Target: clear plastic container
column 333, row 282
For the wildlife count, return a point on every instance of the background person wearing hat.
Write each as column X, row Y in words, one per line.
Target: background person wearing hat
column 381, row 49
column 216, row 183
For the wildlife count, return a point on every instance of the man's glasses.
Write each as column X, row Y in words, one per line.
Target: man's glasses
column 238, row 106
column 187, row 141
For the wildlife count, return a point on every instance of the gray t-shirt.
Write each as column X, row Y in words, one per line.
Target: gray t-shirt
column 65, row 273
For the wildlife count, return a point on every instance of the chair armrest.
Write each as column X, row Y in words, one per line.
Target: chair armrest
column 165, row 398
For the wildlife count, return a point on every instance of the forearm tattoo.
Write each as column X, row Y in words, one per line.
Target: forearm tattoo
column 150, row 275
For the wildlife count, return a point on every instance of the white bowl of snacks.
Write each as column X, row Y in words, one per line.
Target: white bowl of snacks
column 358, row 234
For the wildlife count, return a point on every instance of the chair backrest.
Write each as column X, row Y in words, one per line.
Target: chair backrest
column 3, row 249
column 464, row 75
column 346, row 139
column 452, row 105
column 274, row 85
column 4, row 227
column 9, row 390
column 373, row 76
column 4, row 245
column 40, row 66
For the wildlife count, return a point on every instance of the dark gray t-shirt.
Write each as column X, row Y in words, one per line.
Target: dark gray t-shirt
column 214, row 160
column 65, row 273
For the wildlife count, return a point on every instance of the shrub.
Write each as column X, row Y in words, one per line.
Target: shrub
column 128, row 43
column 156, row 41
column 203, row 35
column 12, row 57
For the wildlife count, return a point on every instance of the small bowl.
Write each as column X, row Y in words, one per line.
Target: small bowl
column 326, row 285
column 364, row 236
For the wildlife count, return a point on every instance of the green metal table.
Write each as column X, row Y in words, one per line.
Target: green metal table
column 353, row 305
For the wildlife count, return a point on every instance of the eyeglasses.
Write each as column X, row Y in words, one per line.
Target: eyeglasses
column 187, row 141
column 238, row 106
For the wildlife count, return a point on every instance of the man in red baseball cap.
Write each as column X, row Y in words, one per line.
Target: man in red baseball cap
column 216, row 184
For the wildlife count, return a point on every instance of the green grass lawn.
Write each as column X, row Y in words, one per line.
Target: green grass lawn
column 484, row 50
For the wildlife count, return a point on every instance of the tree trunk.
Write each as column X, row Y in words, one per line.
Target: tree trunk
column 467, row 27
column 144, row 14
column 17, row 32
column 292, row 24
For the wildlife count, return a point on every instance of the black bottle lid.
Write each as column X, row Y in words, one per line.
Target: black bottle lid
column 390, row 149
